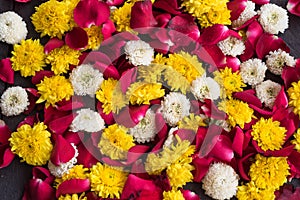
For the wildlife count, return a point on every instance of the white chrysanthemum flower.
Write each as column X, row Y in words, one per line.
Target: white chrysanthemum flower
column 86, row 80
column 87, row 120
column 273, row 18
column 14, row 101
column 205, row 88
column 267, row 92
column 247, row 14
column 139, row 52
column 175, row 107
column 232, row 46
column 59, row 171
column 171, row 138
column 253, row 71
column 278, row 59
column 12, row 28
column 145, row 130
column 221, row 181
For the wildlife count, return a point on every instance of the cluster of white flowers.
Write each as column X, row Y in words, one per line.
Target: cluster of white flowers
column 247, row 14
column 273, row 18
column 232, row 46
column 86, row 80
column 278, row 59
column 139, row 52
column 14, row 101
column 145, row 130
column 205, row 88
column 253, row 71
column 175, row 107
column 87, row 120
column 220, row 182
column 59, row 171
column 12, row 28
column 267, row 92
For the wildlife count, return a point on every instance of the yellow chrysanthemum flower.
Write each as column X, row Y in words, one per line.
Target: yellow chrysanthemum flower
column 121, row 16
column 54, row 89
column 72, row 197
column 230, row 81
column 208, row 12
column 32, row 144
column 268, row 134
column 238, row 112
column 160, row 59
column 179, row 153
column 143, row 93
column 176, row 81
column 191, row 122
column 173, row 195
column 269, row 172
column 95, row 37
column 151, row 74
column 250, row 191
column 296, row 141
column 71, row 5
column 107, row 182
column 179, row 174
column 294, row 97
column 111, row 96
column 78, row 172
column 28, row 57
column 186, row 64
column 52, row 18
column 115, row 142
column 61, row 58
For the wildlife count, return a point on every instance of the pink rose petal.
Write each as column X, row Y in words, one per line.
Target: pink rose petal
column 6, row 155
column 236, row 7
column 38, row 190
column 108, row 28
column 43, row 174
column 261, row 2
column 6, row 72
column 77, row 38
column 135, row 152
column 39, row 76
column 73, row 186
column 62, row 152
column 171, row 6
column 201, row 167
column 91, row 12
column 293, row 7
column 163, row 20
column 108, row 118
column 189, row 195
column 290, row 75
column 127, row 78
column 249, row 97
column 254, row 32
column 213, row 35
column 129, row 116
column 86, row 157
column 222, row 148
column 53, row 43
column 60, row 125
column 249, row 51
column 244, row 166
column 233, row 63
column 141, row 15
column 238, row 141
column 114, row 2
column 23, row 1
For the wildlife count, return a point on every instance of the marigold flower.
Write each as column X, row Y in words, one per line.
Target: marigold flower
column 32, row 144
column 28, row 57
column 191, row 122
column 296, row 141
column 121, row 16
column 294, row 96
column 251, row 191
column 77, row 171
column 72, row 197
column 54, row 89
column 115, row 142
column 268, row 134
column 95, row 37
column 107, row 182
column 173, row 194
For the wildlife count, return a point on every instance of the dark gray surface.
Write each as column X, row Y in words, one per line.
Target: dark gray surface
column 13, row 178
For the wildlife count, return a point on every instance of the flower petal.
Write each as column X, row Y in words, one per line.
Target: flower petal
column 213, row 35
column 86, row 157
column 128, row 77
column 244, row 166
column 43, row 174
column 6, row 72
column 201, row 167
column 141, row 15
column 293, row 6
column 108, row 28
column 108, row 118
column 91, row 12
column 53, row 43
column 238, row 141
column 77, row 38
column 130, row 116
column 60, row 125
column 171, row 6
column 62, row 152
column 6, row 156
column 249, row 97
column 236, row 7
column 135, row 152
column 38, row 190
column 189, row 195
column 73, row 186
column 261, row 2
column 254, row 32
column 114, row 2
column 290, row 75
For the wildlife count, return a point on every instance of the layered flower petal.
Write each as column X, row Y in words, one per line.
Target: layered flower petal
column 62, row 152
column 293, row 7
column 141, row 15
column 214, row 34
column 6, row 72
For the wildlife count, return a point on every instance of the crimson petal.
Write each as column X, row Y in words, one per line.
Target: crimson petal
column 60, row 125
column 233, row 63
column 62, row 152
column 141, row 15
column 244, row 166
column 85, row 156
column 236, row 7
column 38, row 190
column 135, row 152
column 261, row 2
column 114, row 2
column 131, row 115
column 214, row 34
column 189, row 195
column 222, row 149
column 290, row 75
column 254, row 32
column 6, row 72
column 39, row 76
column 6, row 156
column 77, row 38
column 238, row 141
column 53, row 43
column 249, row 97
column 73, row 186
column 171, row 6
column 43, row 174
column 201, row 167
column 128, row 77
column 293, row 7
column 91, row 12
column 108, row 28
column 108, row 118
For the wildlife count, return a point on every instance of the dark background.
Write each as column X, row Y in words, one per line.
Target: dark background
column 13, row 177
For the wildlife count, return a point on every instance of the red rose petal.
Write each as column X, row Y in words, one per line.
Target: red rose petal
column 39, row 76
column 141, row 15
column 238, row 141
column 91, row 12
column 43, row 174
column 73, row 186
column 213, row 35
column 233, row 63
column 6, row 72
column 261, row 2
column 201, row 167
column 254, row 32
column 108, row 118
column 293, row 7
column 108, row 28
column 6, row 155
column 236, row 7
column 114, row 2
column 62, row 152
column 290, row 75
column 189, row 195
column 135, row 152
column 171, row 6
column 60, row 125
column 86, row 157
column 244, row 166
column 38, row 190
column 128, row 77
column 249, row 97
column 77, row 38
column 53, row 43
